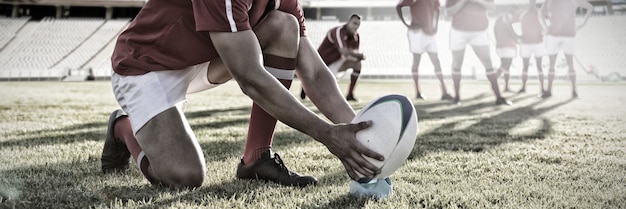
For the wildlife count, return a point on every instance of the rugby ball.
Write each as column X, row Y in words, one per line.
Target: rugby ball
column 392, row 133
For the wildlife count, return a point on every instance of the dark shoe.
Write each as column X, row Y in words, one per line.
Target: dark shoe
column 456, row 101
column 350, row 97
column 302, row 94
column 574, row 95
column 273, row 169
column 523, row 90
column 546, row 94
column 447, row 97
column 419, row 96
column 115, row 155
column 501, row 101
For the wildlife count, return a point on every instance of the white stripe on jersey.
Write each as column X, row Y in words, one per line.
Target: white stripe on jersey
column 229, row 15
column 338, row 37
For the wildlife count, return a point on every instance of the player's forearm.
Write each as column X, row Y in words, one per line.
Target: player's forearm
column 262, row 87
column 320, row 85
column 282, row 105
column 351, row 53
column 399, row 12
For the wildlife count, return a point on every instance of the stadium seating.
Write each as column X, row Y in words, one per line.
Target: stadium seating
column 92, row 45
column 49, row 47
column 10, row 26
column 49, row 42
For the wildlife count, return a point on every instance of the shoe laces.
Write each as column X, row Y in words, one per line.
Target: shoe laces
column 280, row 164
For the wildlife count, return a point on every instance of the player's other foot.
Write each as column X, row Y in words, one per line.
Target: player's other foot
column 419, row 96
column 273, row 169
column 456, row 100
column 507, row 89
column 350, row 97
column 447, row 96
column 503, row 101
column 302, row 94
column 522, row 90
column 574, row 95
column 546, row 94
column 115, row 155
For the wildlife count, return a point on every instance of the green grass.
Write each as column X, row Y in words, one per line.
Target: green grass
column 552, row 153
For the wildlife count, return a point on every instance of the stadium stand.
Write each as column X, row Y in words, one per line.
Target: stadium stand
column 90, row 47
column 49, row 41
column 10, row 27
column 47, row 48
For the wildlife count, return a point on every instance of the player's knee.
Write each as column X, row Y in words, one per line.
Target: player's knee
column 456, row 65
column 183, row 177
column 282, row 23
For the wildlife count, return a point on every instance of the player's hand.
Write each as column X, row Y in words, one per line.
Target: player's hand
column 342, row 143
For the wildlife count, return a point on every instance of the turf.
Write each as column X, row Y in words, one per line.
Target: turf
column 539, row 153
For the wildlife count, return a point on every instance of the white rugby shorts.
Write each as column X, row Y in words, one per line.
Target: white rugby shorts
column 145, row 96
column 555, row 44
column 420, row 42
column 506, row 52
column 528, row 50
column 459, row 39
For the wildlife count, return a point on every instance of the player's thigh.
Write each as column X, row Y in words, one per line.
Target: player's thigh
column 458, row 40
column 483, row 54
column 457, row 59
column 278, row 34
column 210, row 75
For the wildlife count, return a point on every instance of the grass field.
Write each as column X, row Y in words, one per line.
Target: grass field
column 539, row 153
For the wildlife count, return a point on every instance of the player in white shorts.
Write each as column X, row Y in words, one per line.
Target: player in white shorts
column 532, row 43
column 506, row 43
column 560, row 37
column 162, row 56
column 421, row 34
column 469, row 26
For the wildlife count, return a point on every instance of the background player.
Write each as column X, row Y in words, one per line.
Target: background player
column 469, row 26
column 531, row 43
column 560, row 36
column 506, row 43
column 421, row 35
column 340, row 51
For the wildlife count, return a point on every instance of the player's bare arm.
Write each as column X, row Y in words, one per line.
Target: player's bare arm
column 544, row 15
column 588, row 8
column 266, row 91
column 312, row 71
column 352, row 55
column 436, row 20
column 399, row 11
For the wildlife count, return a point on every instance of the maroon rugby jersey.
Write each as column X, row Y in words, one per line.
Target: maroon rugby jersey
column 422, row 14
column 502, row 33
column 531, row 27
column 472, row 17
column 166, row 36
column 335, row 39
column 562, row 17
